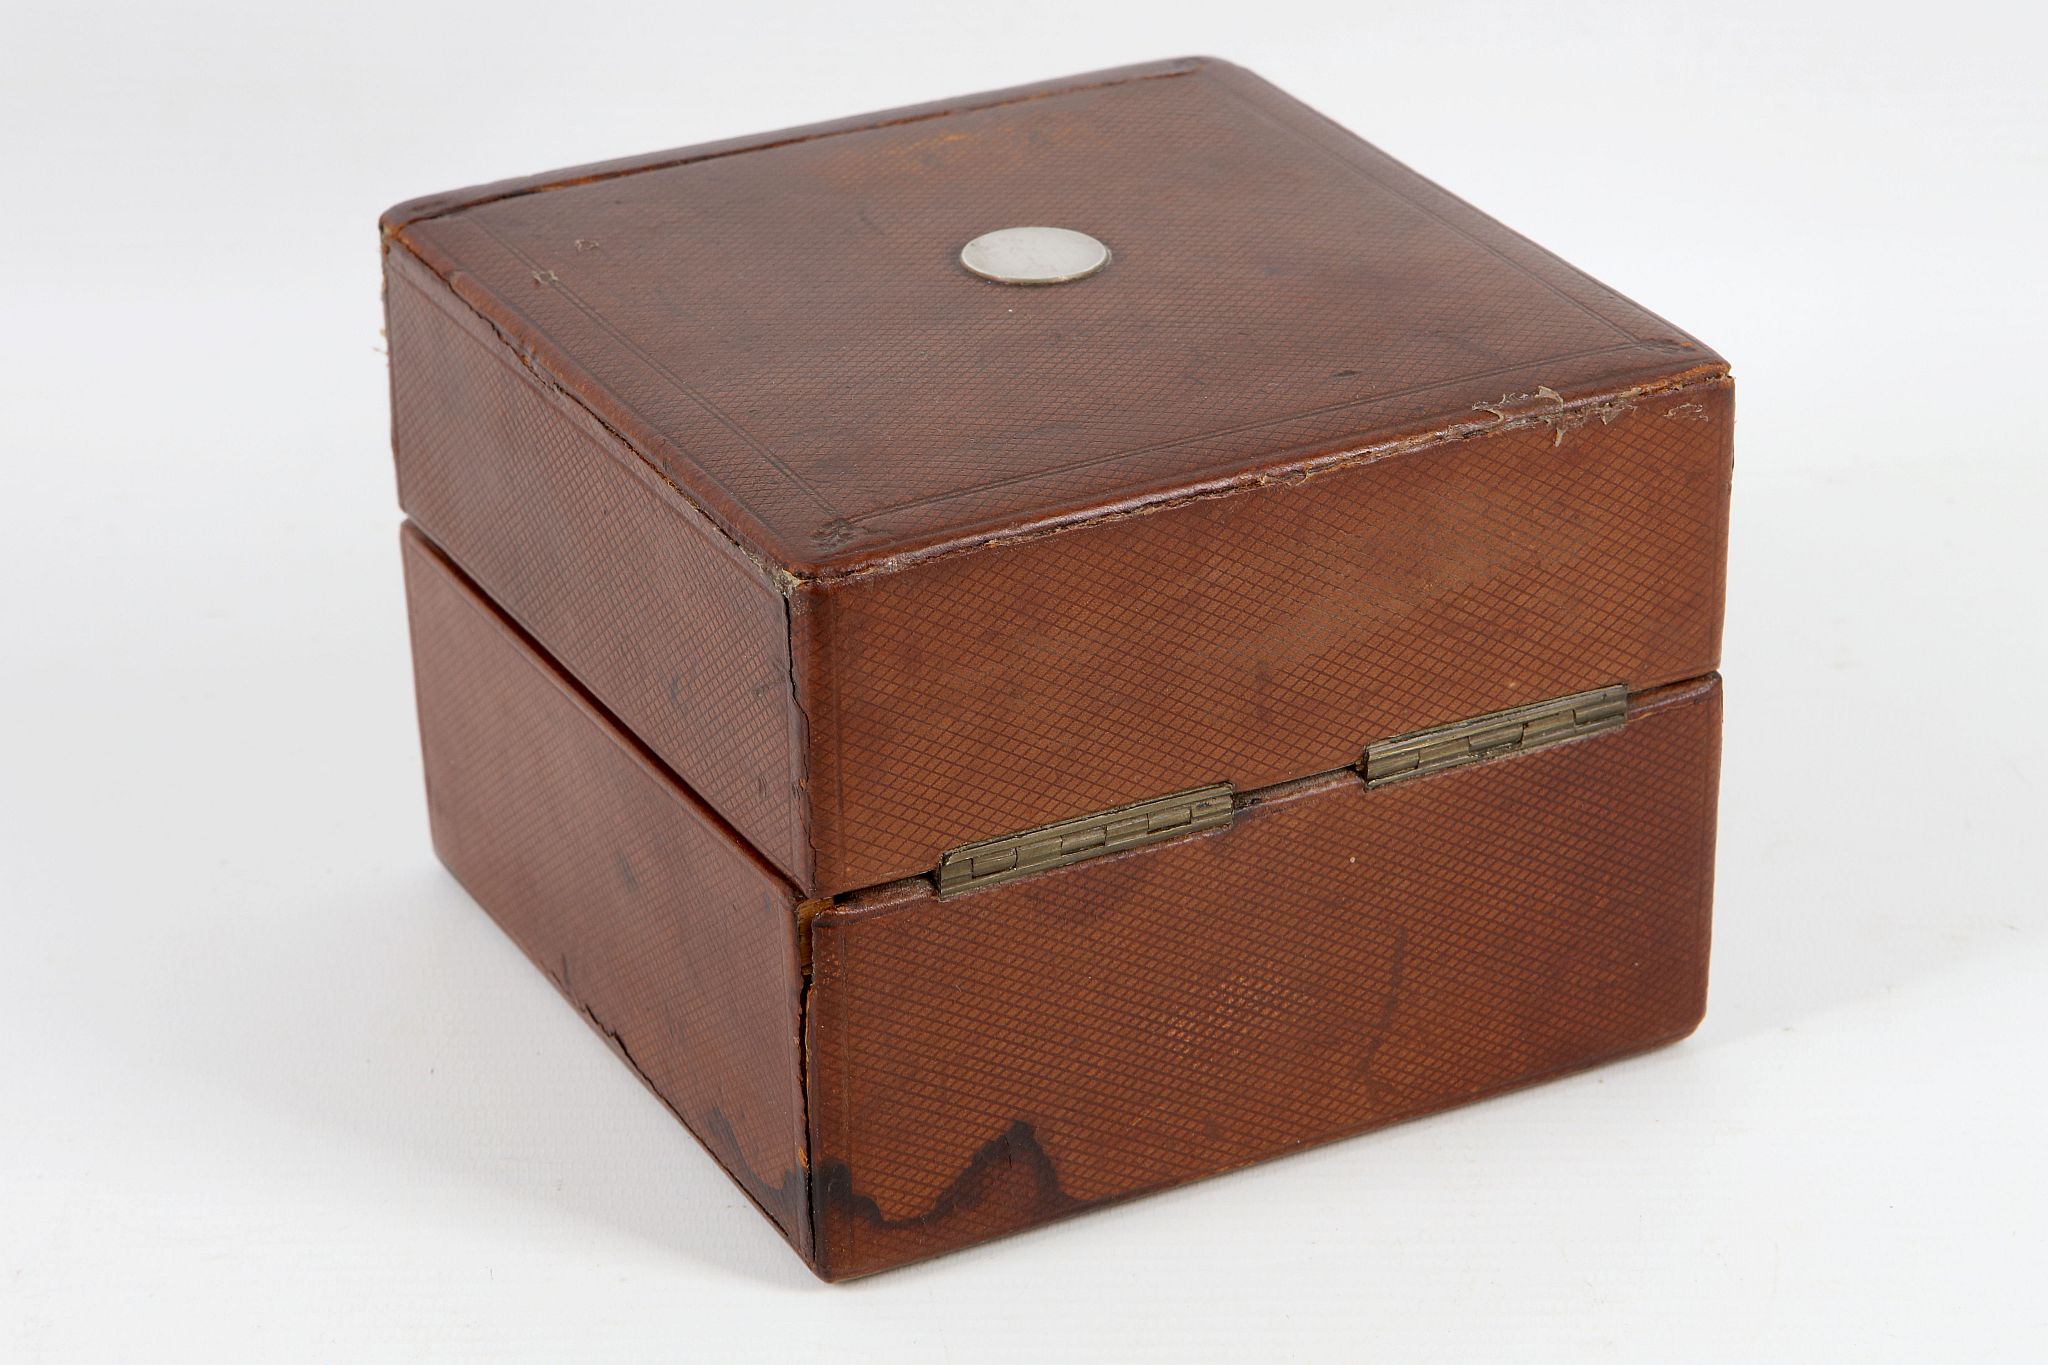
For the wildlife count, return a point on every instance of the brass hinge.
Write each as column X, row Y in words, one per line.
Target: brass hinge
column 973, row 866
column 1503, row 732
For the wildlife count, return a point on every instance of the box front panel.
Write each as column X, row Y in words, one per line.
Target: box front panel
column 674, row 942
column 1339, row 959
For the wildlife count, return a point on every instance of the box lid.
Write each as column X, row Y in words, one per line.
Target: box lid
column 783, row 328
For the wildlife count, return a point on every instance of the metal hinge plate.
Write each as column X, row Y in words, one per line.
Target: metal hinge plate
column 973, row 866
column 1513, row 731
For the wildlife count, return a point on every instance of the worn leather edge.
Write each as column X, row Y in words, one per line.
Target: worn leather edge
column 1290, row 465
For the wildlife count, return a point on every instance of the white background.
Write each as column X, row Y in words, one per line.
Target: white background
column 271, row 1088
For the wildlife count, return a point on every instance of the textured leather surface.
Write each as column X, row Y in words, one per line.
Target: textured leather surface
column 1323, row 456
column 787, row 334
column 876, row 558
column 685, row 639
column 1256, row 639
column 675, row 942
column 1339, row 959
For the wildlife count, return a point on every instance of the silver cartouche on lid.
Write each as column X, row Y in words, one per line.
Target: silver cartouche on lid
column 1034, row 255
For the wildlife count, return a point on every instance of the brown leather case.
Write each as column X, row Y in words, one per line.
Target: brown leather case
column 765, row 557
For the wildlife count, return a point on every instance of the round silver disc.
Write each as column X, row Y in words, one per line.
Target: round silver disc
column 1034, row 255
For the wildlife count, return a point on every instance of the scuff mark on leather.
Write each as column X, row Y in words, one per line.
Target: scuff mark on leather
column 618, row 1043
column 800, row 749
column 1553, row 412
column 1390, row 1001
column 1565, row 416
column 783, row 1202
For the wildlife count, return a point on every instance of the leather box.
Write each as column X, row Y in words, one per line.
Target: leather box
column 982, row 750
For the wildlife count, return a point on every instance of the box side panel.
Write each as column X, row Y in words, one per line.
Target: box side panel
column 1265, row 635
column 624, row 582
column 1339, row 959
column 676, row 943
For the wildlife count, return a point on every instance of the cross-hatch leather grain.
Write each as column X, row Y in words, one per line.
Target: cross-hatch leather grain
column 631, row 589
column 1339, row 959
column 1324, row 455
column 787, row 333
column 875, row 558
column 1259, row 638
column 674, row 941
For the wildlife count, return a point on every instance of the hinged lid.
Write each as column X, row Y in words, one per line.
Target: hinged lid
column 884, row 557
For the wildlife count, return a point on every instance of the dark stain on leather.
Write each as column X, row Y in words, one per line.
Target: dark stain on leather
column 1005, row 1163
column 1007, row 1185
column 782, row 1202
column 1389, row 1003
